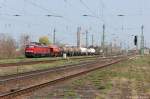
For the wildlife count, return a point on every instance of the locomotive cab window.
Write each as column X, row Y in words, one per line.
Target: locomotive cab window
column 30, row 46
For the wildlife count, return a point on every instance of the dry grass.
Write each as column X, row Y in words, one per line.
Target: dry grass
column 26, row 68
column 126, row 80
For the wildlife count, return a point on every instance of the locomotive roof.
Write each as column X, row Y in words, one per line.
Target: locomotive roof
column 37, row 44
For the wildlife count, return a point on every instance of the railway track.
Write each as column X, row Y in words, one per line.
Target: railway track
column 50, row 69
column 37, row 72
column 79, row 70
column 37, row 62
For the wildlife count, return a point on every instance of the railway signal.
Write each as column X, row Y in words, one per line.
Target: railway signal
column 135, row 40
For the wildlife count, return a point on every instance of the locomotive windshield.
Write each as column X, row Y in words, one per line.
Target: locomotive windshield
column 30, row 46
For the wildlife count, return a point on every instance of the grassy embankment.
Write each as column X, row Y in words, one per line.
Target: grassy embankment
column 23, row 59
column 129, row 79
column 26, row 68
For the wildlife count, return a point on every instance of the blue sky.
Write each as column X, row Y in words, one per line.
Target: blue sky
column 34, row 22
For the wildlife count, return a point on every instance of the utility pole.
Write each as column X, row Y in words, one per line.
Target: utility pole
column 54, row 36
column 92, row 40
column 142, row 40
column 145, row 44
column 103, row 39
column 79, row 37
column 87, row 38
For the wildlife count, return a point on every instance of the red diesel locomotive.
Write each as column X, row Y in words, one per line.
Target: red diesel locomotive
column 38, row 50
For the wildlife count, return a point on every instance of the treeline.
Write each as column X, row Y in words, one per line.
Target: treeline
column 10, row 48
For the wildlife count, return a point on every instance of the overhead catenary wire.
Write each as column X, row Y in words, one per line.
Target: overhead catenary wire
column 77, row 8
column 20, row 13
column 48, row 10
column 83, row 3
column 86, row 6
column 40, row 7
column 4, row 4
column 71, row 5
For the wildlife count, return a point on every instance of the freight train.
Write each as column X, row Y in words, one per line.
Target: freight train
column 35, row 49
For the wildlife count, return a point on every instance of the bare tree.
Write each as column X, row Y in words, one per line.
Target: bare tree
column 24, row 40
column 8, row 46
